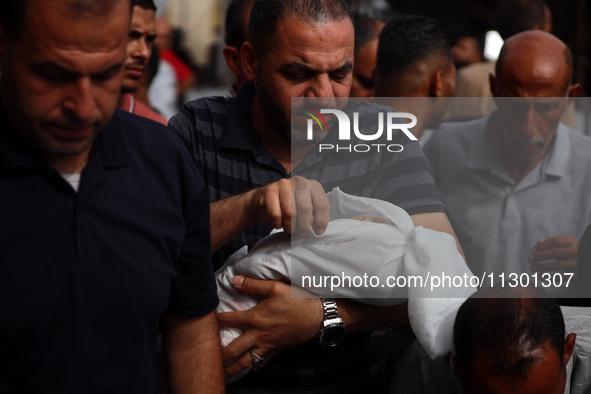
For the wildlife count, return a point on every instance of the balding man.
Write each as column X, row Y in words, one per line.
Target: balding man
column 415, row 60
column 515, row 183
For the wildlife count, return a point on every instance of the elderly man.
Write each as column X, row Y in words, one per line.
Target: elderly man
column 105, row 228
column 243, row 149
column 142, row 34
column 515, row 183
column 415, row 60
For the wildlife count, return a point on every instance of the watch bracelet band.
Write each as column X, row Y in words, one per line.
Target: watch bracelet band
column 330, row 309
column 332, row 321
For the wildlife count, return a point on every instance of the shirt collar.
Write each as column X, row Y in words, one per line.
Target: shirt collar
column 557, row 162
column 17, row 152
column 481, row 157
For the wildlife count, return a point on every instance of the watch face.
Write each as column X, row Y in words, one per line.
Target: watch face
column 333, row 335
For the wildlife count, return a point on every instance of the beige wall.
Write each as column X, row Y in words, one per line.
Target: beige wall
column 201, row 21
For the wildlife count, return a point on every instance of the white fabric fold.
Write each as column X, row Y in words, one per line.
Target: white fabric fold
column 353, row 248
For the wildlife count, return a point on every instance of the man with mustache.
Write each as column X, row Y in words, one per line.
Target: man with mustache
column 142, row 33
column 516, row 182
column 249, row 156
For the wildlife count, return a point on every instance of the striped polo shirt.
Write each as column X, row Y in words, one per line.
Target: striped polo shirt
column 219, row 134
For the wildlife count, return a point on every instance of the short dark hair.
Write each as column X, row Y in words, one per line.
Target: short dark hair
column 510, row 327
column 265, row 15
column 366, row 29
column 145, row 4
column 515, row 16
column 12, row 12
column 234, row 30
column 409, row 39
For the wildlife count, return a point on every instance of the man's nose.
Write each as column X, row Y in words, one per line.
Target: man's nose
column 144, row 50
column 321, row 87
column 529, row 127
column 81, row 101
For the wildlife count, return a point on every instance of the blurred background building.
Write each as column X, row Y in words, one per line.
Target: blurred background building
column 199, row 27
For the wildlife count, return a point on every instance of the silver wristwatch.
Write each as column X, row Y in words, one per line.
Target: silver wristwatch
column 333, row 329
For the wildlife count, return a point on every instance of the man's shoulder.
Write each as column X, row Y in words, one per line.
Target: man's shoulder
column 142, row 109
column 578, row 320
column 148, row 147
column 202, row 118
column 133, row 122
column 207, row 108
column 477, row 70
column 575, row 148
column 579, row 141
column 141, row 132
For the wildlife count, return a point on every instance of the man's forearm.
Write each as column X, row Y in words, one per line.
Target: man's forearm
column 229, row 217
column 271, row 204
column 194, row 354
column 282, row 321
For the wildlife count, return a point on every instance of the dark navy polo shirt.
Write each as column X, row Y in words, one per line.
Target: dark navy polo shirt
column 85, row 277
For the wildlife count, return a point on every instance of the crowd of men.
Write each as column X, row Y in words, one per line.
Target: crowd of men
column 113, row 219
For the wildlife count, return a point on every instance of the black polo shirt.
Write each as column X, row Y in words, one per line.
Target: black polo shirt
column 85, row 277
